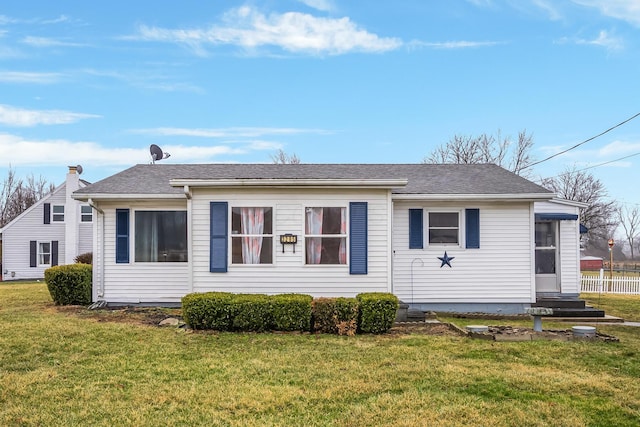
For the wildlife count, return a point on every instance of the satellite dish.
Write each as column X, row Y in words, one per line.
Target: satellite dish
column 79, row 169
column 157, row 154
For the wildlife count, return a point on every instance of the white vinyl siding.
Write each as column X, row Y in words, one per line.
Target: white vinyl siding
column 30, row 226
column 498, row 272
column 289, row 272
column 135, row 282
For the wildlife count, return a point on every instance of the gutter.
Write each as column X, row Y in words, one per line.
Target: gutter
column 525, row 197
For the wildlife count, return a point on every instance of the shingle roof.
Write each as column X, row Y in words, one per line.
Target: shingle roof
column 422, row 178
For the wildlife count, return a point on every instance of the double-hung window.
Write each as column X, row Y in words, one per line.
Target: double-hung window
column 444, row 228
column 58, row 213
column 44, row 253
column 251, row 235
column 86, row 213
column 325, row 235
column 161, row 236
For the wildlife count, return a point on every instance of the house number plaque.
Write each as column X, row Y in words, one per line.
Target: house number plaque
column 288, row 239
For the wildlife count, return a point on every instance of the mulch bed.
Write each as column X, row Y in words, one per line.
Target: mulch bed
column 152, row 316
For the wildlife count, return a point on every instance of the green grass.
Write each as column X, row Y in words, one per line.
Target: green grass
column 65, row 367
column 625, row 306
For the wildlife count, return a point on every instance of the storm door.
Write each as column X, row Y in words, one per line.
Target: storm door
column 547, row 259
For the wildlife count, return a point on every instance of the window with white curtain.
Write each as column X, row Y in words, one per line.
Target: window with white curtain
column 44, row 253
column 251, row 235
column 325, row 235
column 161, row 236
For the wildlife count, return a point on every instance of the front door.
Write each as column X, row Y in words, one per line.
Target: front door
column 547, row 260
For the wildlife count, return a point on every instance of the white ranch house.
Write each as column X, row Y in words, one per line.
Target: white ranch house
column 440, row 237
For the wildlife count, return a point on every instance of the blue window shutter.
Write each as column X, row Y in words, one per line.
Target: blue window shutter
column 47, row 213
column 218, row 228
column 54, row 252
column 472, row 228
column 33, row 253
column 358, row 238
column 122, row 236
column 416, row 238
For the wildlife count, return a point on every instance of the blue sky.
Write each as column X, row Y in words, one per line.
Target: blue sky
column 95, row 83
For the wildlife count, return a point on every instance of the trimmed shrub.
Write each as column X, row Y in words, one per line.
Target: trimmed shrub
column 69, row 284
column 251, row 312
column 322, row 310
column 377, row 312
column 335, row 315
column 291, row 312
column 210, row 310
column 85, row 258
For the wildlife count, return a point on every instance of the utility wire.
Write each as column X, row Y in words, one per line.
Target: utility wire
column 594, row 166
column 583, row 142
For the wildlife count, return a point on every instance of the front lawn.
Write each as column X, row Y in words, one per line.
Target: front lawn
column 71, row 367
column 625, row 306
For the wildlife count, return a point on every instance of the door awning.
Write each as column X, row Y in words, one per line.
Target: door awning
column 556, row 217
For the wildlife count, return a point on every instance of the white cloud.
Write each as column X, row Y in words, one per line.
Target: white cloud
column 323, row 5
column 625, row 10
column 237, row 132
column 461, row 44
column 549, row 7
column 48, row 42
column 618, row 148
column 292, row 31
column 23, row 152
column 605, row 40
column 5, row 20
column 12, row 116
column 607, row 153
column 29, row 77
column 60, row 19
column 482, row 3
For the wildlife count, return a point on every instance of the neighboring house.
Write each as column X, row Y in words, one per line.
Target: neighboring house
column 446, row 237
column 591, row 263
column 53, row 231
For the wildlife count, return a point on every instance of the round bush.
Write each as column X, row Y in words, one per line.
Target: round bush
column 69, row 284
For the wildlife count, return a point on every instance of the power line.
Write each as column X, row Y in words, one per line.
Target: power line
column 583, row 142
column 595, row 166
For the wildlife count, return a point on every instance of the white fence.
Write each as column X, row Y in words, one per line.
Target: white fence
column 616, row 285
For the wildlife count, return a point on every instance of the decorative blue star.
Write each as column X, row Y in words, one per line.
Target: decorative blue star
column 446, row 259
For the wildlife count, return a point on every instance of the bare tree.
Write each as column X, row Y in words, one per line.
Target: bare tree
column 9, row 186
column 17, row 195
column 630, row 221
column 282, row 158
column 600, row 215
column 487, row 149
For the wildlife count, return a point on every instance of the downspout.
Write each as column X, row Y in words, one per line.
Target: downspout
column 100, row 294
column 188, row 195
